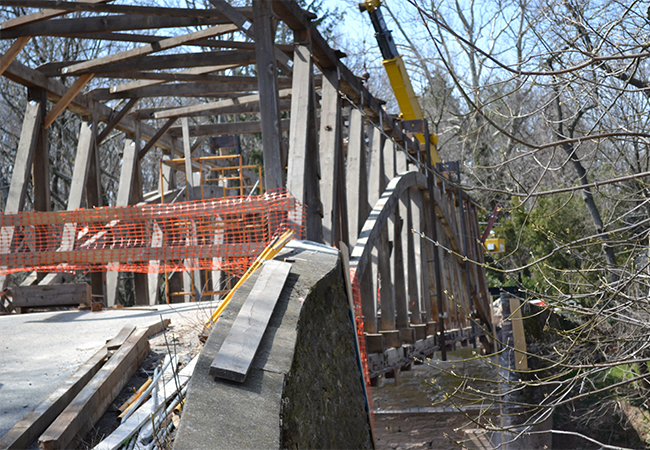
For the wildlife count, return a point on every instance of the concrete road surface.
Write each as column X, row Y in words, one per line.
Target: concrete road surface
column 38, row 351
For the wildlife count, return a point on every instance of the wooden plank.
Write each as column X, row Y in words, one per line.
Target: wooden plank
column 274, row 159
column 30, row 427
column 49, row 296
column 63, row 103
column 121, row 337
column 12, row 52
column 238, row 349
column 143, row 415
column 157, row 327
column 90, row 404
column 148, row 49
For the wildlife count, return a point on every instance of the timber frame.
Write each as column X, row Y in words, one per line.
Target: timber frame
column 368, row 193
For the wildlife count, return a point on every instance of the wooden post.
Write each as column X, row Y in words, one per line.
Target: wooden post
column 94, row 198
column 386, row 289
column 191, row 280
column 368, row 304
column 22, row 166
column 124, row 190
column 376, row 178
column 412, row 257
column 303, row 163
column 356, row 180
column 330, row 148
column 41, row 166
column 85, row 145
column 274, row 161
column 401, row 305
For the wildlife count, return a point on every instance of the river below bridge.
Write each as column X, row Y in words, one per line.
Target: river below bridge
column 424, row 408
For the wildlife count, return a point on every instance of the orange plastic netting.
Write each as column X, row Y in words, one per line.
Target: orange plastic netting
column 225, row 234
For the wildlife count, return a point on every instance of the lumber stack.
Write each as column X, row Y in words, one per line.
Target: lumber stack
column 70, row 411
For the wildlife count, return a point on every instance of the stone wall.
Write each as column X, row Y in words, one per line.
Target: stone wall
column 304, row 389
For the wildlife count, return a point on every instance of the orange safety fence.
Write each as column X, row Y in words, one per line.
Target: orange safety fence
column 223, row 234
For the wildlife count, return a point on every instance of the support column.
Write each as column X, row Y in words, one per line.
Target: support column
column 32, row 123
column 331, row 158
column 401, row 305
column 413, row 271
column 41, row 165
column 274, row 161
column 191, row 279
column 303, row 169
column 356, row 180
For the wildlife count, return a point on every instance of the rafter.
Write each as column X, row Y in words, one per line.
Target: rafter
column 212, row 108
column 162, row 62
column 13, row 51
column 67, row 27
column 67, row 98
column 37, row 16
column 148, row 49
column 176, row 90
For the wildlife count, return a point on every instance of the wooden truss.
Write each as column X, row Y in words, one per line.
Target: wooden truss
column 344, row 185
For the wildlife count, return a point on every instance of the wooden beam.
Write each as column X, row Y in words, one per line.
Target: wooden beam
column 177, row 90
column 65, row 7
column 80, row 104
column 41, row 164
column 162, row 62
column 274, row 159
column 85, row 148
column 93, row 400
column 37, row 16
column 50, row 296
column 24, row 156
column 63, row 103
column 12, row 52
column 301, row 108
column 210, row 108
column 330, row 147
column 357, row 178
column 165, row 44
column 234, row 359
column 30, row 427
column 154, row 140
column 110, row 126
column 70, row 27
column 226, row 128
column 196, row 71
